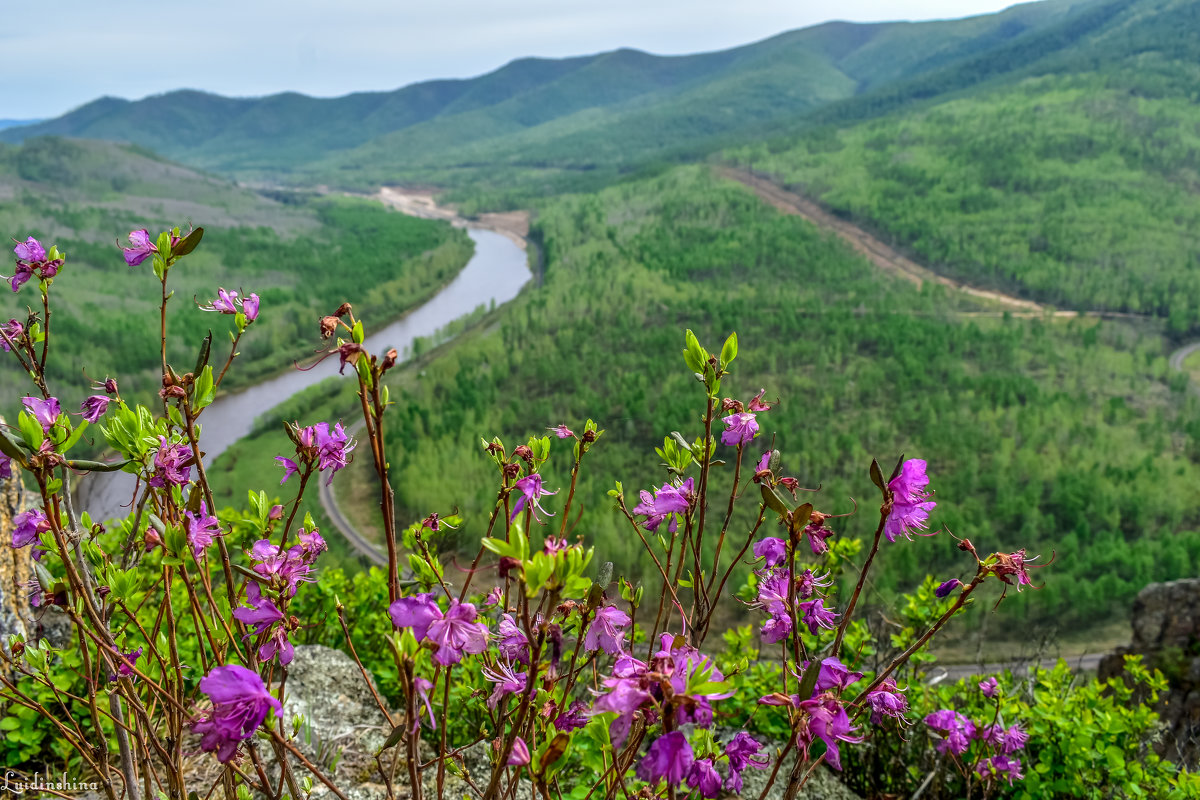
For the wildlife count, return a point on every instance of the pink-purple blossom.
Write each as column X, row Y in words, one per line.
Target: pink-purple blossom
column 266, row 618
column 989, row 687
column 506, row 680
column 12, row 331
column 704, row 778
column 827, row 720
column 835, row 675
column 669, row 501
column 946, row 588
column 46, row 412
column 816, row 615
column 562, row 431
column 512, row 641
column 32, row 259
column 456, row 632
column 910, row 501
column 887, row 701
column 772, row 549
column 28, row 527
column 531, row 490
column 202, row 530
column 172, row 464
column 607, row 631
column 283, row 569
column 312, row 544
column 240, row 704
column 740, row 428
column 5, row 467
column 250, row 307
column 669, row 758
column 417, row 612
column 519, row 756
column 94, row 407
column 956, row 730
column 1000, row 766
column 140, row 247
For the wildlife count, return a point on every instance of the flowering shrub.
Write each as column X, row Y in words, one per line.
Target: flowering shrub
column 184, row 626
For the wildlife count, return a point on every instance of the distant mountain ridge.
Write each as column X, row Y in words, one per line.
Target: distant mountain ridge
column 16, row 123
column 611, row 108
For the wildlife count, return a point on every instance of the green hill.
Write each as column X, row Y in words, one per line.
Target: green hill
column 609, row 110
column 1074, row 185
column 84, row 195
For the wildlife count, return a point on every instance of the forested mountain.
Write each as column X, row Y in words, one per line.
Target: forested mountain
column 85, row 195
column 1074, row 186
column 613, row 108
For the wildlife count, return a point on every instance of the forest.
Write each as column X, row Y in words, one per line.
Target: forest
column 1071, row 437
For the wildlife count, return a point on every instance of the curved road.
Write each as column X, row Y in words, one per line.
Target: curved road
column 329, row 503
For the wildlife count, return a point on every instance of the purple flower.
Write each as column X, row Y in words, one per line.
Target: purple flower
column 332, row 447
column 226, row 302
column 669, row 758
column 261, row 613
column 240, row 704
column 513, row 643
column 625, row 696
column 127, row 663
column 704, row 777
column 417, row 612
column 172, row 464
column 290, row 468
column 817, row 534
column 1013, row 564
column 94, row 407
column 887, row 701
column 44, row 411
column 283, row 569
column 772, row 549
column 773, row 592
column 573, row 718
column 456, row 633
column 494, row 597
column 835, row 675
column 202, row 530
column 30, row 251
column 989, row 687
column 957, row 731
column 423, row 686
column 1005, row 740
column 12, row 331
column 607, row 631
column 250, row 307
column 816, row 615
column 739, row 428
column 808, row 583
column 21, row 274
column 138, row 251
column 946, row 588
column 827, row 721
column 531, row 489
column 519, row 756
column 743, row 752
column 910, row 501
column 6, row 472
column 756, row 403
column 776, row 629
column 667, row 501
column 562, row 431
column 507, row 682
column 312, row 544
column 28, row 527
column 1000, row 767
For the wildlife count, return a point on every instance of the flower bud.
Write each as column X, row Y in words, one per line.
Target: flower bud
column 275, row 513
column 328, row 326
column 343, row 310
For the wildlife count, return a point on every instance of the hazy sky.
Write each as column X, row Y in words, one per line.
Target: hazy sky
column 58, row 54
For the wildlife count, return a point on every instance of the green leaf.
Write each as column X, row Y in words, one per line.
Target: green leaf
column 203, row 391
column 74, row 437
column 188, row 243
column 772, row 499
column 729, row 350
column 202, row 358
column 98, row 466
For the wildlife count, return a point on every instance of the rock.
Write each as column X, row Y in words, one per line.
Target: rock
column 15, row 566
column 1166, row 633
column 342, row 722
column 823, row 785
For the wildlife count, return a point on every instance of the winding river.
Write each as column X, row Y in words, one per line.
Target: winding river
column 496, row 273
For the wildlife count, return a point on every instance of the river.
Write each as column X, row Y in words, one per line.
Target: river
column 496, row 273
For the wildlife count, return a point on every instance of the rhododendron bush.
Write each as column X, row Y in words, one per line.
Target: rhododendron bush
column 184, row 625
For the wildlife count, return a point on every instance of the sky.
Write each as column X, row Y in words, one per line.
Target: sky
column 56, row 55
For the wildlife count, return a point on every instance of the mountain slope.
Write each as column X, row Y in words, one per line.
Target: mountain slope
column 1073, row 183
column 576, row 104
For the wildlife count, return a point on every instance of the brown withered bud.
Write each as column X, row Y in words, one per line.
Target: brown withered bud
column 791, row 484
column 152, row 540
column 389, row 360
column 512, row 470
column 349, row 353
column 508, row 564
column 729, row 404
column 18, row 647
column 966, row 546
column 817, row 517
column 103, row 591
column 169, row 392
column 555, row 637
column 343, row 310
column 524, row 452
column 110, row 386
column 566, row 607
column 495, row 447
column 328, row 326
column 588, row 437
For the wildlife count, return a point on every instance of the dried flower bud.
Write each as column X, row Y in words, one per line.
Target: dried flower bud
column 729, row 404
column 508, row 564
column 343, row 310
column 589, row 437
column 512, row 470
column 389, row 360
column 494, row 447
column 524, row 452
column 328, row 326
column 110, row 386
